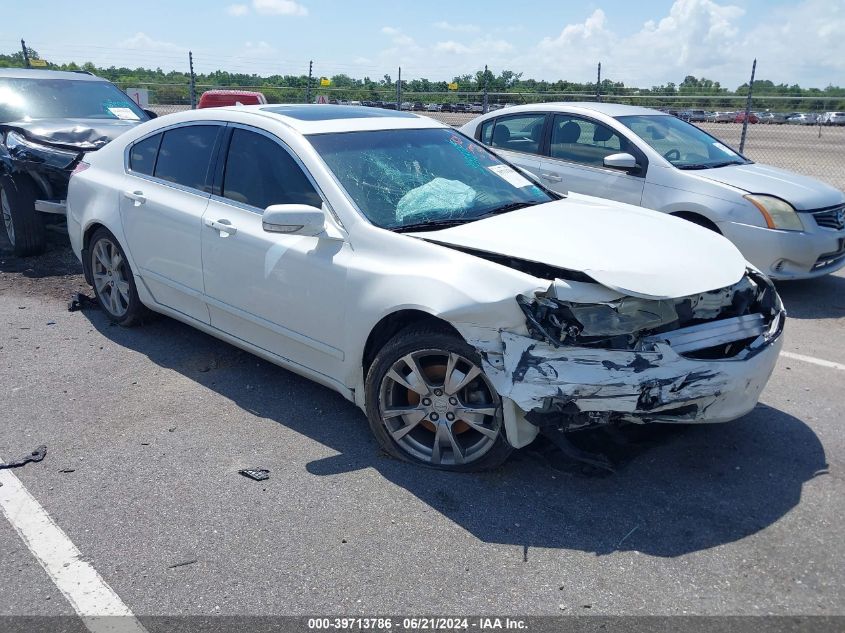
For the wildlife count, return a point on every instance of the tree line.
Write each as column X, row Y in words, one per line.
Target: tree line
column 505, row 87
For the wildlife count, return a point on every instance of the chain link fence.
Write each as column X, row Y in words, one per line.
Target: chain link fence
column 807, row 145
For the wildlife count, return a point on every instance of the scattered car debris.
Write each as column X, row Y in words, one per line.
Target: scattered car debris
column 80, row 301
column 35, row 456
column 184, row 563
column 257, row 474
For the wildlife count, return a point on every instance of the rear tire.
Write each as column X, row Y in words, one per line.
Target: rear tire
column 451, row 416
column 114, row 283
column 24, row 225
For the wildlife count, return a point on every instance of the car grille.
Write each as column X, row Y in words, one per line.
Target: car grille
column 831, row 218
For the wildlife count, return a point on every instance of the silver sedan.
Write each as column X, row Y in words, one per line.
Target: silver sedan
column 787, row 225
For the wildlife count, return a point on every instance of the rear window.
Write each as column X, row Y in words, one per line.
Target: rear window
column 185, row 156
column 64, row 99
column 142, row 157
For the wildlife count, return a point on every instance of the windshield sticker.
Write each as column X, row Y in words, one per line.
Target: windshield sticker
column 511, row 176
column 725, row 149
column 123, row 113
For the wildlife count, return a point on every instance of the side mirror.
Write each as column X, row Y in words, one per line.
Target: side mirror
column 622, row 161
column 294, row 219
column 151, row 113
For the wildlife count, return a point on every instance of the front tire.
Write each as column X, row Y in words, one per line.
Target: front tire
column 114, row 283
column 23, row 224
column 430, row 403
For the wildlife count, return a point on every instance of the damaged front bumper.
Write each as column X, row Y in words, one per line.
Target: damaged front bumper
column 573, row 387
column 575, row 369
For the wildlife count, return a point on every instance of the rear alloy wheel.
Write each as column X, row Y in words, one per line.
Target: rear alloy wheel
column 114, row 284
column 430, row 402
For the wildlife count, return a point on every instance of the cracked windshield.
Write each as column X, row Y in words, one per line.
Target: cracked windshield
column 424, row 179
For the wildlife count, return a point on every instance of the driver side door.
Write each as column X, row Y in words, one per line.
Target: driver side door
column 282, row 293
column 575, row 161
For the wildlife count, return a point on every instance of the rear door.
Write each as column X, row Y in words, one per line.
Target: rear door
column 166, row 191
column 575, row 161
column 517, row 138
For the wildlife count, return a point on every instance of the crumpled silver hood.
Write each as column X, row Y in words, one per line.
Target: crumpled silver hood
column 629, row 249
column 81, row 134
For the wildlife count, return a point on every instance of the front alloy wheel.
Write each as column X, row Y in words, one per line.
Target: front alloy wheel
column 435, row 405
column 7, row 216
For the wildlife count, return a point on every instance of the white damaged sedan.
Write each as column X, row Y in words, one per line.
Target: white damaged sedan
column 464, row 307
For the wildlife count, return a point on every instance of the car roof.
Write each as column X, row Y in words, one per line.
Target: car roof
column 608, row 109
column 29, row 73
column 319, row 118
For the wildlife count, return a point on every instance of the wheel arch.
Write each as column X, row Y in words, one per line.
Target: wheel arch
column 697, row 218
column 393, row 323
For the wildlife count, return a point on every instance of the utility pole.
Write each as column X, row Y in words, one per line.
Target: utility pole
column 598, row 84
column 25, row 54
column 747, row 108
column 193, row 81
column 484, row 104
column 399, row 90
column 308, row 88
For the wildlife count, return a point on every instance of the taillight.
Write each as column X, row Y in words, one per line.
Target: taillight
column 80, row 167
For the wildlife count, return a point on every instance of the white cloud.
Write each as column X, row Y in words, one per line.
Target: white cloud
column 697, row 37
column 278, row 7
column 237, row 10
column 142, row 41
column 398, row 37
column 460, row 28
column 451, row 47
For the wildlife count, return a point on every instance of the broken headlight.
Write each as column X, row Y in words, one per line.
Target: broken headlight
column 623, row 323
column 22, row 149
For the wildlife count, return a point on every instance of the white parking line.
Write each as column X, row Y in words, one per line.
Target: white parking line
column 816, row 361
column 100, row 608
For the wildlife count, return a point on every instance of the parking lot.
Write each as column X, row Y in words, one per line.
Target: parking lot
column 146, row 429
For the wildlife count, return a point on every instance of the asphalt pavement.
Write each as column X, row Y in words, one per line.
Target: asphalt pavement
column 146, row 430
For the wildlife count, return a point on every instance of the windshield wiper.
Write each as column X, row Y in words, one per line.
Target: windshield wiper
column 710, row 165
column 445, row 223
column 505, row 208
column 429, row 225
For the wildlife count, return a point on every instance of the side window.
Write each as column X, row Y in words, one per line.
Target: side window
column 185, row 155
column 142, row 156
column 259, row 172
column 519, row 133
column 582, row 141
column 487, row 131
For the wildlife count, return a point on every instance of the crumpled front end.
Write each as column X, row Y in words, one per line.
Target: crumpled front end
column 702, row 358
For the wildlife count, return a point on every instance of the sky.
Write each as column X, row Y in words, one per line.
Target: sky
column 641, row 43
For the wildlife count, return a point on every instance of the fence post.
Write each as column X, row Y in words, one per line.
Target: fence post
column 308, row 86
column 193, row 81
column 747, row 108
column 598, row 84
column 25, row 54
column 485, row 104
column 399, row 90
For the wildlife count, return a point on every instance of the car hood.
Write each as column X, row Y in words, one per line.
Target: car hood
column 629, row 249
column 802, row 192
column 81, row 134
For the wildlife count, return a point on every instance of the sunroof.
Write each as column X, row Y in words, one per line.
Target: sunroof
column 327, row 112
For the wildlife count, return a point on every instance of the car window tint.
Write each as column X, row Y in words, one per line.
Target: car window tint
column 185, row 155
column 487, row 131
column 520, row 133
column 582, row 141
column 142, row 156
column 260, row 172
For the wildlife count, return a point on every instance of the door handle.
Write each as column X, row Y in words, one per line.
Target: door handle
column 551, row 177
column 136, row 196
column 224, row 226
